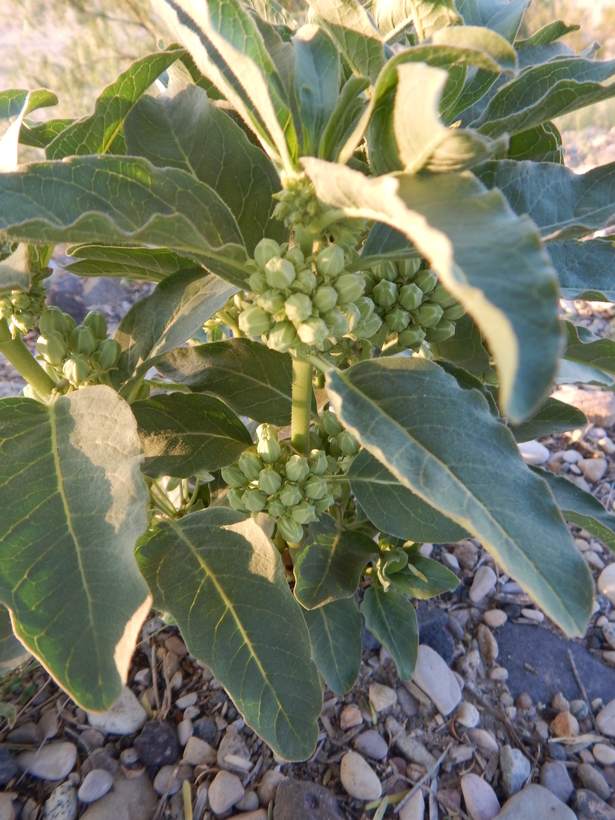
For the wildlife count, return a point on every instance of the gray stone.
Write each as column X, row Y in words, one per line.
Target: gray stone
column 249, row 802
column 157, row 745
column 358, row 778
column 535, row 802
column 372, row 744
column 99, row 759
column 8, row 766
column 163, row 782
column 233, row 744
column 197, row 752
column 224, row 792
column 588, row 806
column 61, row 803
column 432, row 675
column 52, row 762
column 409, row 705
column 138, row 794
column 110, row 807
column 123, row 718
column 480, row 799
column 7, row 809
column 206, row 729
column 515, row 768
column 95, row 785
column 413, row 750
column 309, row 801
column 413, row 809
column 554, row 776
column 606, row 719
column 594, row 780
column 268, row 786
column 27, row 732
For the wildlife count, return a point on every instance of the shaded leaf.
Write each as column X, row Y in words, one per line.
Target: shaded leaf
column 541, row 144
column 239, row 618
column 74, row 505
column 586, row 348
column 439, row 578
column 586, row 270
column 547, row 34
column 15, row 270
column 335, row 635
column 12, row 652
column 347, row 113
column 502, row 16
column 384, row 242
column 39, row 135
column 392, row 619
column 317, row 80
column 465, row 349
column 142, row 264
column 553, row 417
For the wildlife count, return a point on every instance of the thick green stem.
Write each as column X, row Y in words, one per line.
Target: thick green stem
column 304, row 239
column 24, row 362
column 302, row 405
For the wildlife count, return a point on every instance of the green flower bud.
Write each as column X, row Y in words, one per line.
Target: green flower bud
column 331, row 423
column 313, row 331
column 366, row 307
column 353, row 314
column 369, row 281
column 269, row 450
column 24, row 321
column 412, row 337
column 325, row 298
column 272, row 301
column 303, row 513
column 234, row 497
column 290, row 494
column 250, row 465
column 349, row 286
column 305, row 281
column 254, row 500
column 429, row 315
column 254, row 321
column 336, row 322
column 348, row 443
column 408, row 268
column 298, row 307
column 108, row 353
column 275, row 508
column 76, row 369
column 318, row 462
column 385, row 270
column 258, row 282
column 454, row 312
column 330, row 261
column 282, row 337
column 368, row 328
column 82, row 340
column 52, row 347
column 297, row 468
column 315, row 487
column 426, row 280
column 265, row 250
column 269, row 481
column 333, row 462
column 71, row 324
column 324, row 503
column 410, row 296
column 20, row 301
column 443, row 331
column 385, row 293
column 280, row 273
column 97, row 324
column 295, row 256
column 266, row 431
column 289, row 529
column 397, row 319
column 234, row 477
column 440, row 296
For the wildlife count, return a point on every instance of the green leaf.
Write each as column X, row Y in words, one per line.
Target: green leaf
column 354, row 32
column 95, row 134
column 553, row 417
column 469, row 382
column 401, row 409
column 239, row 618
column 547, row 34
column 253, row 380
column 392, row 619
column 74, row 504
column 439, row 578
column 544, row 91
column 465, row 349
column 581, row 508
column 142, row 264
column 541, row 144
column 15, row 270
column 427, row 16
column 344, row 118
column 501, row 16
column 228, row 49
column 318, row 81
column 335, row 635
column 575, row 373
column 12, row 652
column 331, row 563
column 167, row 318
column 394, row 509
column 184, row 130
column 563, row 204
column 490, row 261
column 586, row 348
column 384, row 242
column 14, row 106
column 39, row 135
column 586, row 270
column 184, row 434
column 272, row 12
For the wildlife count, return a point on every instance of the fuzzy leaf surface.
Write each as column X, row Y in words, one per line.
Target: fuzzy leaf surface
column 335, row 635
column 317, row 80
column 586, row 270
column 427, row 16
column 465, row 349
column 15, row 104
column 501, row 16
column 553, row 417
column 141, row 264
column 392, row 619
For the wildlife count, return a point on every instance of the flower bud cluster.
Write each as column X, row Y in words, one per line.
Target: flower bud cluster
column 297, row 202
column 301, row 305
column 412, row 304
column 21, row 309
column 78, row 354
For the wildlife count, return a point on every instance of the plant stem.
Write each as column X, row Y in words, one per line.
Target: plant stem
column 304, row 239
column 302, row 405
column 24, row 362
column 226, row 319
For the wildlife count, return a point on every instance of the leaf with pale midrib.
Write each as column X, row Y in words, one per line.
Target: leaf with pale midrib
column 427, row 16
column 392, row 619
column 146, row 264
column 335, row 635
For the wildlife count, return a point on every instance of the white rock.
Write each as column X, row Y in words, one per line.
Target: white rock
column 449, row 559
column 143, row 677
column 198, row 752
column 95, row 785
column 371, row 744
column 358, row 778
column 606, row 583
column 593, row 559
column 381, row 697
column 515, row 768
column 426, row 550
column 607, row 445
column 52, row 762
column 434, row 677
column 123, row 718
column 606, row 718
column 495, row 618
column 185, row 730
column 604, row 754
column 268, row 786
column 483, row 739
column 414, row 809
column 533, row 452
column 480, row 799
column 533, row 615
column 187, row 700
column 467, row 714
column 593, row 468
column 572, row 456
column 224, row 792
column 484, row 581
column 61, row 803
column 498, row 673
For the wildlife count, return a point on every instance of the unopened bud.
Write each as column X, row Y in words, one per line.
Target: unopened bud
column 385, row 293
column 305, row 281
column 254, row 500
column 82, row 341
column 51, row 319
column 429, row 315
column 454, row 312
column 254, row 321
column 348, row 443
column 412, row 337
column 397, row 319
column 269, row 450
column 290, row 494
column 250, row 465
column 76, row 369
column 234, row 497
column 349, row 287
column 258, row 282
column 444, row 330
column 318, row 461
column 368, row 328
column 289, row 529
column 295, row 256
column 233, row 476
column 275, row 508
column 337, row 323
column 313, row 331
column 385, row 270
column 298, row 307
column 97, row 324
column 71, row 324
column 366, row 307
column 410, row 296
column 408, row 268
column 440, row 296
column 282, row 337
column 324, row 503
column 265, row 250
column 325, row 298
column 369, row 282
column 272, row 301
column 108, row 353
column 303, row 513
column 280, row 273
column 20, row 301
column 269, row 481
column 331, row 423
column 426, row 280
column 315, row 487
column 52, row 347
column 330, row 261
column 297, row 468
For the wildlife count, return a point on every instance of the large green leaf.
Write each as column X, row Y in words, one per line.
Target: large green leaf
column 144, row 264
column 330, row 564
column 14, row 106
column 490, row 260
column 586, row 348
column 423, row 578
column 97, row 133
column 581, row 508
column 335, row 635
column 184, row 434
column 544, row 91
column 394, row 509
column 553, row 417
column 471, row 470
column 184, row 130
column 354, row 32
column 342, row 122
column 392, row 619
column 223, row 582
column 502, row 16
column 12, row 651
column 167, row 318
column 465, row 349
column 427, row 16
column 73, row 506
column 228, row 49
column 586, row 270
column 563, row 204
column 253, row 380
column 547, row 34
column 39, row 135
column 540, row 144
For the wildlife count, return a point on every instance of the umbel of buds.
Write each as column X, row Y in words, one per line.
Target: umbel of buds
column 21, row 309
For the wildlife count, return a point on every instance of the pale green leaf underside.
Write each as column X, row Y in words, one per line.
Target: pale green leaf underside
column 15, row 104
column 443, row 443
column 239, row 618
column 427, row 16
column 146, row 264
column 74, row 504
column 392, row 619
column 502, row 16
column 335, row 635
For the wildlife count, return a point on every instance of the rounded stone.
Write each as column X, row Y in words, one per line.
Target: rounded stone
column 606, row 717
column 484, row 581
column 432, row 675
column 381, row 697
column 480, row 799
column 268, row 786
column 413, row 809
column 125, row 716
column 224, row 792
column 249, row 802
column 606, row 583
column 110, row 806
column 163, row 781
column 96, row 784
column 157, row 745
column 372, row 744
column 484, row 740
column 604, row 754
column 594, row 780
column 198, row 753
column 495, row 618
column 554, row 777
column 52, row 762
column 234, row 746
column 515, row 768
column 185, row 730
column 535, row 802
column 467, row 714
column 358, row 778
column 61, row 803
column 564, row 725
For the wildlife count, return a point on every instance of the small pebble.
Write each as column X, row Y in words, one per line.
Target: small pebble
column 53, row 762
column 606, row 717
column 593, row 560
column 534, row 453
column 198, row 753
column 524, row 701
column 233, row 747
column 371, row 744
column 249, row 802
column 604, row 754
column 554, row 776
column 606, row 583
column 450, row 560
column 49, row 724
column 434, row 677
column 96, row 784
column 593, row 469
column 483, row 739
column 564, row 725
column 607, row 445
column 185, row 730
column 125, row 716
column 175, row 645
column 143, row 677
column 225, row 791
column 560, row 704
column 60, row 805
column 426, row 550
column 350, row 716
column 533, row 615
column 466, row 553
column 157, row 745
column 484, row 581
column 163, row 779
column 268, row 786
column 186, row 700
column 515, row 768
column 409, row 705
column 381, row 697
column 467, row 714
column 358, row 778
column 594, row 780
column 92, row 739
column 487, row 644
column 498, row 673
column 480, row 799
column 495, row 618
column 413, row 809
column 579, row 709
